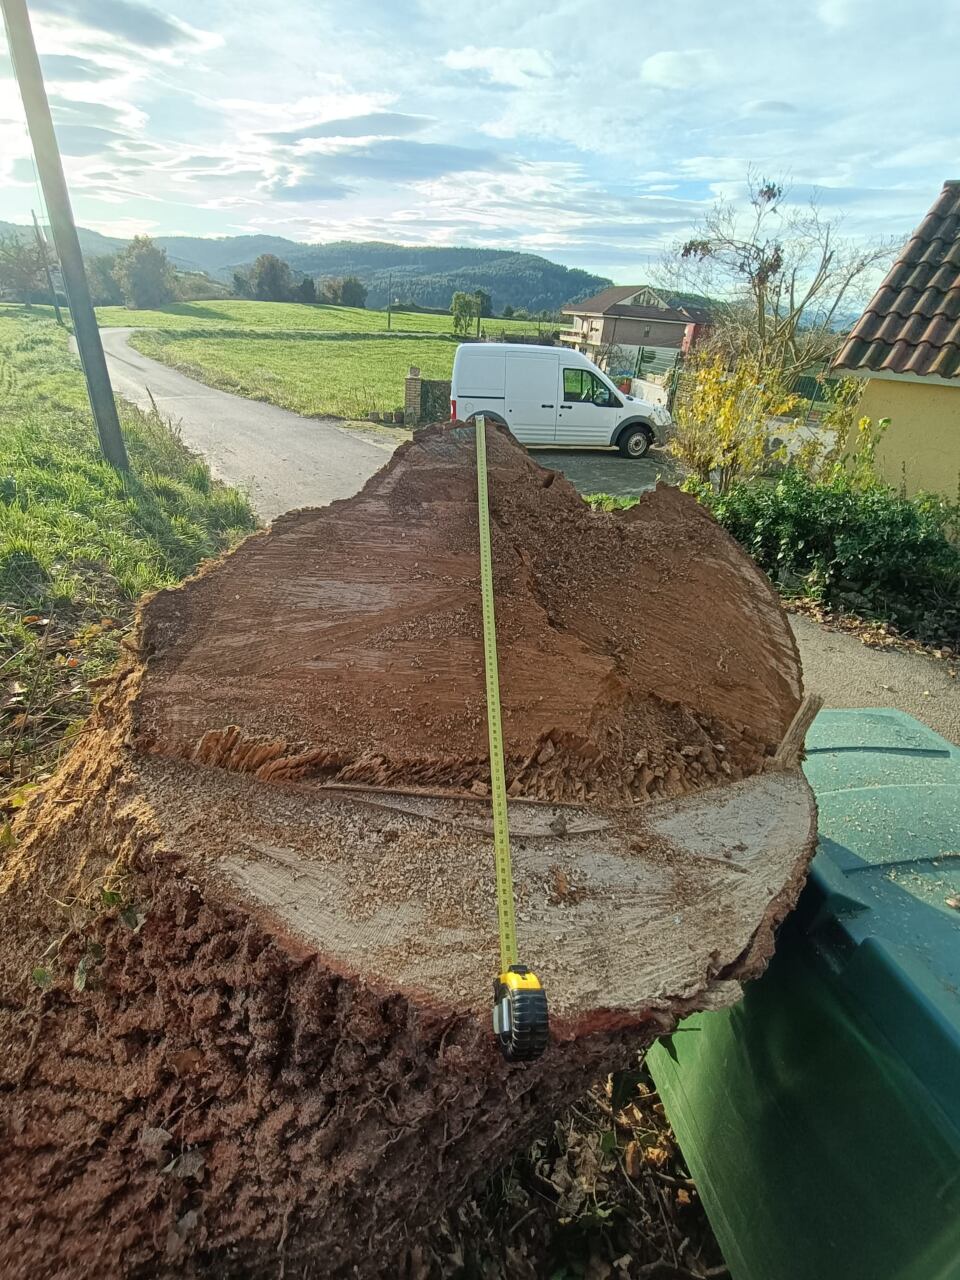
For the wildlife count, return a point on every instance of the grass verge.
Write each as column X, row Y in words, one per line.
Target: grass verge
column 79, row 543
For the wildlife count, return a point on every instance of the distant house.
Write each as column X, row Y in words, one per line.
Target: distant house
column 635, row 319
column 907, row 344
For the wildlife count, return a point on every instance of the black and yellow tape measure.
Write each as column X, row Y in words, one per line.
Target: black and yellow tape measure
column 519, row 1001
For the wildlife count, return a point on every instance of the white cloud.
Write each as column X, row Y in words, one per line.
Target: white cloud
column 516, row 67
column 123, row 228
column 679, row 69
column 836, row 13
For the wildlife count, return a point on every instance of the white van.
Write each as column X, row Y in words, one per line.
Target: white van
column 551, row 396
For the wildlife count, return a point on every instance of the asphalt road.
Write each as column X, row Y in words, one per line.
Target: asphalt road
column 279, row 458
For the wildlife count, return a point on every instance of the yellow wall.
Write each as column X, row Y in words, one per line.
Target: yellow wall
column 922, row 443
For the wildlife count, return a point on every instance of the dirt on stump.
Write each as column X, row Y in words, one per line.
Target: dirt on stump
column 250, row 926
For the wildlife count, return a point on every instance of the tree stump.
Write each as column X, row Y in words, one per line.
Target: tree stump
column 251, row 926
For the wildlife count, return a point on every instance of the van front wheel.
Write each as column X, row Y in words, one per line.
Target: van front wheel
column 635, row 442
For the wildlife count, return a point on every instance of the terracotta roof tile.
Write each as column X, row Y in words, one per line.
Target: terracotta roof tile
column 896, row 276
column 947, row 363
column 912, row 323
column 934, row 303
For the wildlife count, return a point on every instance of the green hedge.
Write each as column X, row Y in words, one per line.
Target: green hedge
column 869, row 551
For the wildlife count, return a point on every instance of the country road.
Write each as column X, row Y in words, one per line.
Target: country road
column 283, row 461
column 279, row 458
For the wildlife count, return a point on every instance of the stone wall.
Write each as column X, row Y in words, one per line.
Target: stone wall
column 425, row 399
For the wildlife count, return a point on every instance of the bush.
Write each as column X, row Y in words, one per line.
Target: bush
column 346, row 291
column 270, row 279
column 144, row 275
column 722, row 418
column 867, row 550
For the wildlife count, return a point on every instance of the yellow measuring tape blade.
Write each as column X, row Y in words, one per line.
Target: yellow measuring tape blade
column 498, row 785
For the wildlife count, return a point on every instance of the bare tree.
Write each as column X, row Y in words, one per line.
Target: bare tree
column 611, row 357
column 785, row 275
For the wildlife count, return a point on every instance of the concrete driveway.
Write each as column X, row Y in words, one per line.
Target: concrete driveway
column 605, row 471
column 279, row 458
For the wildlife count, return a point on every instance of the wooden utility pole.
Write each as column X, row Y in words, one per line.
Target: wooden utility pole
column 389, row 297
column 26, row 68
column 479, row 309
column 44, row 257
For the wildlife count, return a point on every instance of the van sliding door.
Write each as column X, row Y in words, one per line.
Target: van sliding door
column 530, row 397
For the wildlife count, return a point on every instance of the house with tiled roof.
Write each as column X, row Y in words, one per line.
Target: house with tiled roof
column 907, row 345
column 643, row 326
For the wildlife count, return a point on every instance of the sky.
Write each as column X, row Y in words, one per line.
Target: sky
column 595, row 133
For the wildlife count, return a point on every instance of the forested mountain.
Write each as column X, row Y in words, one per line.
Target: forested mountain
column 427, row 276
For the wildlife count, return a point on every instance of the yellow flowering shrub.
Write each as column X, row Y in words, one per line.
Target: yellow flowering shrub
column 723, row 430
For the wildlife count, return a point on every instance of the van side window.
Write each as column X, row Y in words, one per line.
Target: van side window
column 582, row 385
column 600, row 394
column 576, row 384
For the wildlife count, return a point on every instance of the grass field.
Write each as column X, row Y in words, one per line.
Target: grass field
column 79, row 543
column 345, row 376
column 235, row 313
column 312, row 359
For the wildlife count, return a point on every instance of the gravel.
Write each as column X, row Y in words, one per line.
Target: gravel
column 849, row 674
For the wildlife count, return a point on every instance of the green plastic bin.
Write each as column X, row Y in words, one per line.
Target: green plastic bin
column 820, row 1116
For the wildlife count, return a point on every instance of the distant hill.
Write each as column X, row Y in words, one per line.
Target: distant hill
column 92, row 243
column 427, row 276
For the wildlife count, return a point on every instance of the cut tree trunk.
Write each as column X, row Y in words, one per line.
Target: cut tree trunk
column 250, row 926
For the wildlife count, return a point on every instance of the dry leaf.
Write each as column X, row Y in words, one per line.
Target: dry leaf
column 188, row 1165
column 152, row 1139
column 631, row 1160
